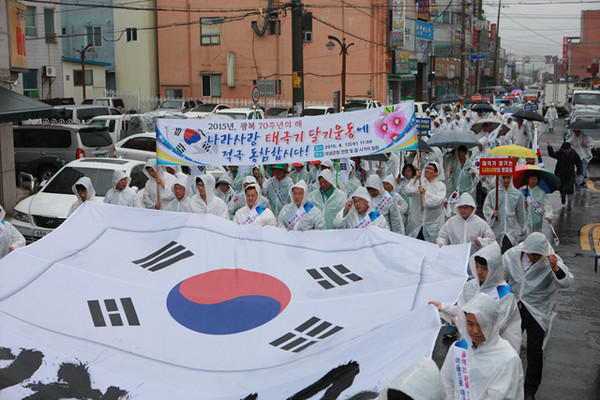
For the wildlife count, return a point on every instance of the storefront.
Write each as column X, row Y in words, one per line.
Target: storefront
column 401, row 84
column 447, row 77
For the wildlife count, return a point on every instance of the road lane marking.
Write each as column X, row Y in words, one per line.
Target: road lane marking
column 584, row 237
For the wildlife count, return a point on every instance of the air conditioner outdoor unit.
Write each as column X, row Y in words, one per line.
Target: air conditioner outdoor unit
column 50, row 71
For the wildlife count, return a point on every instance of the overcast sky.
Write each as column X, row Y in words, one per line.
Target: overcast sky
column 537, row 29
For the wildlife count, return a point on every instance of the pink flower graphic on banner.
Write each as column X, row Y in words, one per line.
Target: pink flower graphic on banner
column 392, row 125
column 397, row 121
column 381, row 128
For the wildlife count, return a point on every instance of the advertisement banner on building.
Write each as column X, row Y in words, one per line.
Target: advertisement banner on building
column 493, row 34
column 16, row 31
column 565, row 64
column 474, row 45
column 251, row 142
column 422, row 50
column 409, row 35
column 423, row 12
column 477, row 8
column 456, row 35
column 424, row 31
column 397, row 23
column 413, row 65
column 401, row 65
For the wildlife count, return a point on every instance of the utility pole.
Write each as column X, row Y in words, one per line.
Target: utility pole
column 82, row 55
column 497, row 44
column 297, row 57
column 463, row 72
column 343, row 52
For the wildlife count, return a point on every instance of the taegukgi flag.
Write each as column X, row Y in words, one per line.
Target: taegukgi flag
column 144, row 304
column 288, row 140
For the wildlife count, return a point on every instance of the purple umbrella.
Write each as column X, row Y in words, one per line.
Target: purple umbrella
column 517, row 91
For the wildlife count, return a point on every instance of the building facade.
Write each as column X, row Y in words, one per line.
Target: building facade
column 585, row 52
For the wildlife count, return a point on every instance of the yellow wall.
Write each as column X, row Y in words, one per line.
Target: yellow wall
column 98, row 89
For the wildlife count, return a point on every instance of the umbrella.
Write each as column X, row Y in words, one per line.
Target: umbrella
column 454, row 138
column 485, row 107
column 423, row 146
column 530, row 115
column 548, row 181
column 579, row 125
column 516, row 91
column 376, row 157
column 451, row 98
column 477, row 127
column 511, row 109
column 512, row 150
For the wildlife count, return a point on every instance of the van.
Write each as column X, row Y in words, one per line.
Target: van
column 41, row 150
column 81, row 114
column 114, row 102
column 584, row 98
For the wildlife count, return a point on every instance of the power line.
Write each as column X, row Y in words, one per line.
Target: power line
column 348, row 33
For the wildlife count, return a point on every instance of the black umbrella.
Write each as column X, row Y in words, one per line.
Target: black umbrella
column 529, row 115
column 485, row 107
column 451, row 98
column 511, row 109
column 376, row 157
column 453, row 139
column 580, row 125
column 423, row 146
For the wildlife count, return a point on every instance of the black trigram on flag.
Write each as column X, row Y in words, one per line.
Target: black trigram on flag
column 307, row 334
column 330, row 278
column 113, row 311
column 167, row 255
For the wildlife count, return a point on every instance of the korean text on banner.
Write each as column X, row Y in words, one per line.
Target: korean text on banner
column 16, row 27
column 249, row 142
column 497, row 166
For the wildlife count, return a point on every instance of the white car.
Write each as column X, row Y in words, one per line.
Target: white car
column 140, row 147
column 317, row 110
column 202, row 110
column 238, row 113
column 41, row 213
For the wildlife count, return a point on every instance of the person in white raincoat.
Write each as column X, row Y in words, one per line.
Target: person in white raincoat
column 582, row 144
column 482, row 358
column 329, row 199
column 205, row 201
column 466, row 226
column 358, row 213
column 84, row 190
column 253, row 213
column 120, row 193
column 224, row 189
column 520, row 134
column 486, row 267
column 384, row 202
column 511, row 213
column 537, row 207
column 535, row 274
column 551, row 116
column 425, row 224
column 300, row 214
column 299, row 173
column 239, row 200
column 164, row 180
column 462, row 172
column 389, row 184
column 181, row 202
column 277, row 187
column 353, row 182
column 10, row 237
column 421, row 381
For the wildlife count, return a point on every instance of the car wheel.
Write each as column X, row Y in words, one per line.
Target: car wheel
column 46, row 172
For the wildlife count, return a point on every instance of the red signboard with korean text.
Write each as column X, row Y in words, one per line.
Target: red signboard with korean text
column 497, row 166
column 476, row 97
column 565, row 63
column 531, row 98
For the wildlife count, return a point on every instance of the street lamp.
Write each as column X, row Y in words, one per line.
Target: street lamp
column 82, row 56
column 343, row 52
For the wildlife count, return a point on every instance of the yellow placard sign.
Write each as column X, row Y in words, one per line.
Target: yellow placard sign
column 16, row 32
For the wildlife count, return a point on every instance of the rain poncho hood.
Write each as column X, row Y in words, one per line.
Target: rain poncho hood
column 87, row 183
column 9, row 235
column 255, row 186
column 327, row 175
column 212, row 204
column 183, row 204
column 374, row 182
column 363, row 193
column 465, row 199
column 118, row 175
column 150, row 164
column 302, row 185
column 422, row 381
column 495, row 275
column 224, row 179
column 182, row 180
column 311, row 220
column 390, row 179
column 487, row 312
column 209, row 186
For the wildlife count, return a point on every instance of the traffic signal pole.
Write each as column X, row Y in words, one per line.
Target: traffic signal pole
column 297, row 58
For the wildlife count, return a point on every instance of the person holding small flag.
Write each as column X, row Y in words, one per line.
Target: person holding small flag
column 384, row 202
column 567, row 162
column 10, row 237
column 357, row 213
column 181, row 202
column 253, row 213
column 300, row 214
column 277, row 187
column 537, row 206
column 224, row 189
column 327, row 198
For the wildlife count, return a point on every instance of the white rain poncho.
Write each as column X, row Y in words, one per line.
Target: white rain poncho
column 182, row 205
column 458, row 230
column 520, row 135
column 235, row 205
column 353, row 219
column 166, row 194
column 494, row 368
column 353, row 182
column 230, row 194
column 330, row 204
column 398, row 199
column 432, row 217
column 266, row 217
column 277, row 192
column 9, row 235
column 212, row 204
column 298, row 217
column 496, row 287
column 463, row 175
column 537, row 288
column 422, row 381
column 584, row 152
column 126, row 197
column 389, row 210
column 91, row 193
column 534, row 220
column 296, row 176
column 511, row 212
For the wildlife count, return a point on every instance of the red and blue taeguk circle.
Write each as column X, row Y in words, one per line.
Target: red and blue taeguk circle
column 191, row 136
column 227, row 301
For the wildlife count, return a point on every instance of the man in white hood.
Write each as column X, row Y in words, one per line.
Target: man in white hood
column 300, row 214
column 357, row 213
column 157, row 181
column 384, row 202
column 425, row 223
column 253, row 213
column 277, row 187
column 224, row 189
column 205, row 201
column 120, row 193
column 466, row 226
column 10, row 237
column 510, row 213
column 329, row 199
column 481, row 365
column 535, row 273
column 239, row 200
column 181, row 202
column 84, row 190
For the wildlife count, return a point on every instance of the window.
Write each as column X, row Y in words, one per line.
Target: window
column 78, row 77
column 211, row 85
column 30, row 27
column 131, row 34
column 173, row 94
column 30, row 83
column 210, row 31
column 63, row 30
column 94, row 35
column 49, row 25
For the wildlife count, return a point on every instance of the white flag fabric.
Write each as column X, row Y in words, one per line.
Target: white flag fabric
column 145, row 304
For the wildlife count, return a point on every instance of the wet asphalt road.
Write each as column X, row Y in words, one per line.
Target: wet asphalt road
column 572, row 354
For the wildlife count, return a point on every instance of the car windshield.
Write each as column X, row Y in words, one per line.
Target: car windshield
column 62, row 183
column 281, row 112
column 313, row 111
column 172, row 104
column 234, row 115
column 95, row 137
column 204, row 108
column 586, row 99
column 97, row 122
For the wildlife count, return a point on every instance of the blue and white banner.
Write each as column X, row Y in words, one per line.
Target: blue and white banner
column 289, row 140
column 147, row 304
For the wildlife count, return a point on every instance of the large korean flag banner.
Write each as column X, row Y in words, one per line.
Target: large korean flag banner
column 289, row 140
column 122, row 303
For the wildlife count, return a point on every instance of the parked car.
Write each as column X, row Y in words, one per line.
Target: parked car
column 238, row 113
column 202, row 110
column 41, row 150
column 361, row 104
column 316, row 110
column 137, row 147
column 590, row 115
column 41, row 213
column 420, row 108
column 114, row 102
column 81, row 114
column 280, row 112
column 178, row 105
